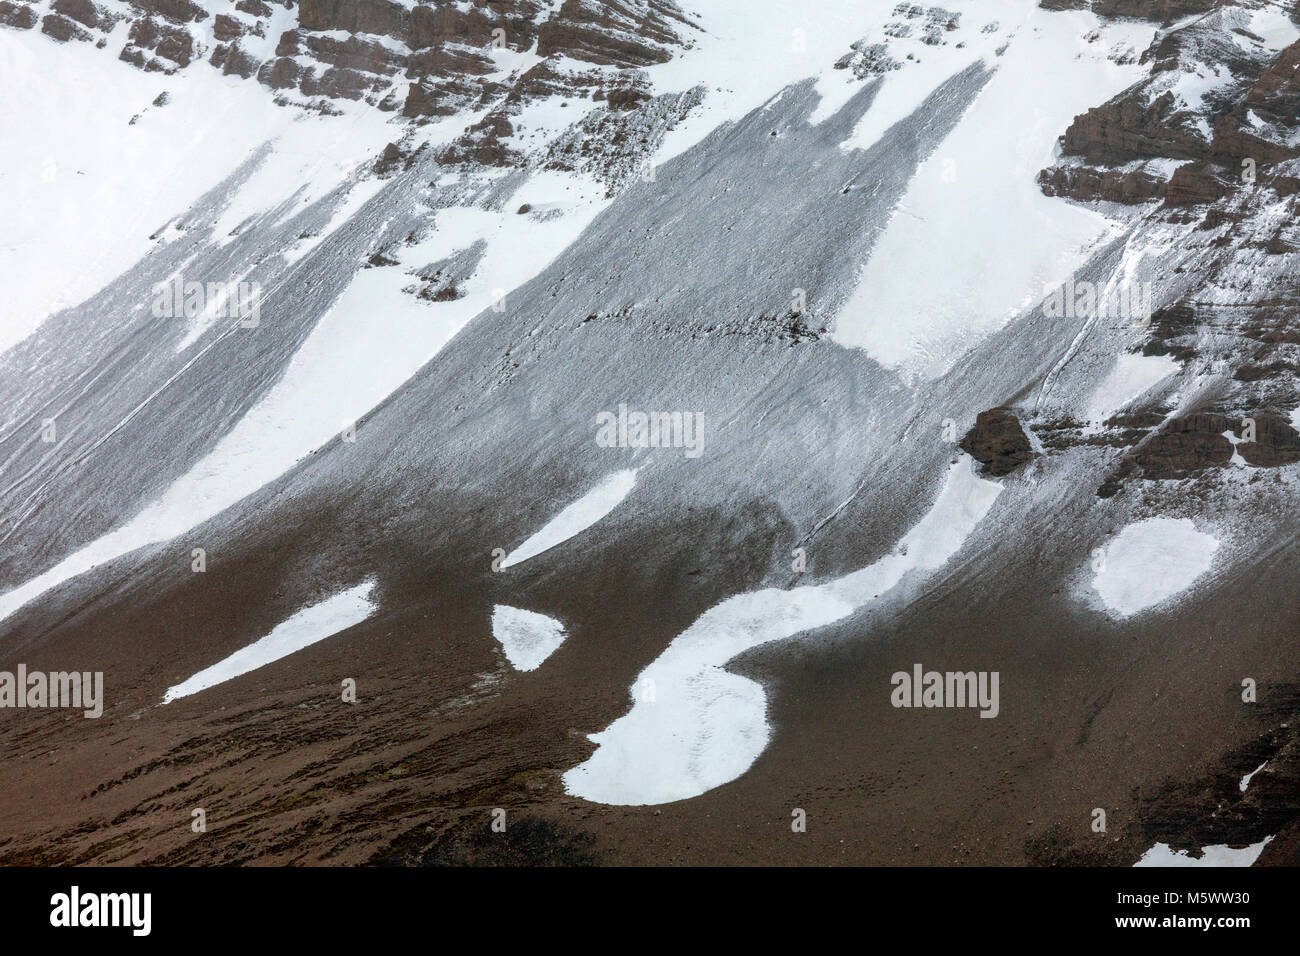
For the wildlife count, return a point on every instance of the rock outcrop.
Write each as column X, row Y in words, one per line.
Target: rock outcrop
column 997, row 442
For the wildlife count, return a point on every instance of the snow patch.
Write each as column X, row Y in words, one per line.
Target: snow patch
column 528, row 638
column 1149, row 561
column 1274, row 26
column 1131, row 377
column 309, row 626
column 1245, row 781
column 1219, row 855
column 927, row 293
column 753, row 49
column 84, row 184
column 693, row 726
column 577, row 517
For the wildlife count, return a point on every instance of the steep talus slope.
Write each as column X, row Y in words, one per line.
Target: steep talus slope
column 156, row 393
column 712, row 287
column 492, row 390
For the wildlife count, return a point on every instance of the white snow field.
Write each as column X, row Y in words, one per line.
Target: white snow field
column 311, row 624
column 693, row 726
column 526, row 637
column 927, row 293
column 1132, row 376
column 82, row 184
column 577, row 517
column 1218, row 855
column 752, row 49
column 1149, row 561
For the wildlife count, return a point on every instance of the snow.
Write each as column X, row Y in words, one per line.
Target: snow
column 528, row 638
column 1274, row 26
column 83, row 185
column 309, row 626
column 927, row 293
column 1191, row 86
column 1236, row 460
column 1219, row 855
column 1245, row 781
column 924, row 67
column 1295, row 418
column 750, row 51
column 693, row 726
column 1151, row 560
column 1131, row 377
column 577, row 517
column 371, row 340
column 356, row 197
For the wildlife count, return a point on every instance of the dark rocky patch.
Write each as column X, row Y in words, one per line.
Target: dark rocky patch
column 616, row 32
column 226, row 28
column 1157, row 11
column 482, row 143
column 279, row 74
column 354, row 16
column 388, row 160
column 85, row 12
column 1276, row 443
column 1259, row 371
column 1213, row 810
column 997, row 442
column 1210, row 810
column 1194, row 184
column 1088, row 184
column 17, row 15
column 471, row 842
column 354, row 53
column 1127, row 129
column 867, row 59
column 178, row 11
column 238, row 63
column 63, row 29
column 1186, row 446
column 338, row 83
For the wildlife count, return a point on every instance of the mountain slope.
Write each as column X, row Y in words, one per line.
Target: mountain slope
column 864, row 255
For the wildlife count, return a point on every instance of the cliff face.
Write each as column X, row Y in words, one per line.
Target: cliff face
column 1208, row 141
column 1218, row 97
column 427, row 58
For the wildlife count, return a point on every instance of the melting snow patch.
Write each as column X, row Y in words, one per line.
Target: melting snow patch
column 1150, row 561
column 527, row 638
column 577, row 517
column 308, row 626
column 1162, row 855
column 985, row 172
column 693, row 726
column 1245, row 781
column 1131, row 377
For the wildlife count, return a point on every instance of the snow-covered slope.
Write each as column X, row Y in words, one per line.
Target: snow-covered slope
column 750, row 353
